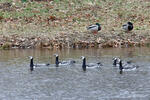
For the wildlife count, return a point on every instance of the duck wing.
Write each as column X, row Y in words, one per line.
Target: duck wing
column 69, row 62
column 41, row 65
column 130, row 67
column 93, row 65
column 92, row 27
column 125, row 27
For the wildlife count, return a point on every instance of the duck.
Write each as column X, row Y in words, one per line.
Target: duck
column 126, row 66
column 117, row 60
column 63, row 63
column 32, row 65
column 128, row 26
column 94, row 28
column 91, row 65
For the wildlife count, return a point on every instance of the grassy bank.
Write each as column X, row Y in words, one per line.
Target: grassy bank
column 65, row 21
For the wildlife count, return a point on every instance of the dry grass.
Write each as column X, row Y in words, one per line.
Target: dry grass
column 58, row 17
column 71, row 15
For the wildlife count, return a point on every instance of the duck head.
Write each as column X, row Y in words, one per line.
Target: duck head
column 99, row 26
column 129, row 23
column 130, row 26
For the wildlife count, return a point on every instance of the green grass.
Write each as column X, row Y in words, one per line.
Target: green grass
column 73, row 13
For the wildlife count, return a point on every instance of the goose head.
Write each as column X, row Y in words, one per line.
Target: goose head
column 116, row 61
column 31, row 63
column 56, row 60
column 83, row 63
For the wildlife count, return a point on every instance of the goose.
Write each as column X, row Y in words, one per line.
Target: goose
column 128, row 26
column 32, row 65
column 127, row 66
column 117, row 60
column 91, row 65
column 120, row 67
column 63, row 63
column 94, row 28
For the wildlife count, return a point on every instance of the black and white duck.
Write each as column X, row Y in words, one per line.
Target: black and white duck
column 32, row 65
column 128, row 26
column 94, row 28
column 90, row 65
column 123, row 65
column 63, row 63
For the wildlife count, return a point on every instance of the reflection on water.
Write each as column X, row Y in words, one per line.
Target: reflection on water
column 71, row 83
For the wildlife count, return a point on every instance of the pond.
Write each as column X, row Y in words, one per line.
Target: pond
column 70, row 82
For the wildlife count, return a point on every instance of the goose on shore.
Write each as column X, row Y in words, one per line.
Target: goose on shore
column 63, row 63
column 94, row 28
column 91, row 65
column 32, row 65
column 128, row 26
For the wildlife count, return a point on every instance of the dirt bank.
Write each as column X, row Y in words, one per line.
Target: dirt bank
column 77, row 40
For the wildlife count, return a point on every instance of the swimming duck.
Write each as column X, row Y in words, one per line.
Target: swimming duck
column 63, row 63
column 117, row 60
column 91, row 65
column 32, row 65
column 127, row 65
column 128, row 26
column 94, row 28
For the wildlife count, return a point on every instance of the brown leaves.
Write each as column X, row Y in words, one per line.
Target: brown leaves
column 52, row 18
column 1, row 17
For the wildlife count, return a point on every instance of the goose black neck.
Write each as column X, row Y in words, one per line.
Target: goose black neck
column 31, row 64
column 120, row 67
column 84, row 64
column 115, row 62
column 57, row 61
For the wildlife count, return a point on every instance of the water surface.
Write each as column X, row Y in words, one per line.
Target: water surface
column 70, row 82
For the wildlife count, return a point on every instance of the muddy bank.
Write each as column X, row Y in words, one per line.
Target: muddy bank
column 77, row 40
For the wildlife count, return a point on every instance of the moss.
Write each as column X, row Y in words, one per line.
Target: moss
column 6, row 46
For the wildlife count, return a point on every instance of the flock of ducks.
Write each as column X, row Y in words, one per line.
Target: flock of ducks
column 97, row 27
column 117, row 62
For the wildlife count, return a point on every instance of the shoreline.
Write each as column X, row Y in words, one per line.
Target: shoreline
column 76, row 40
